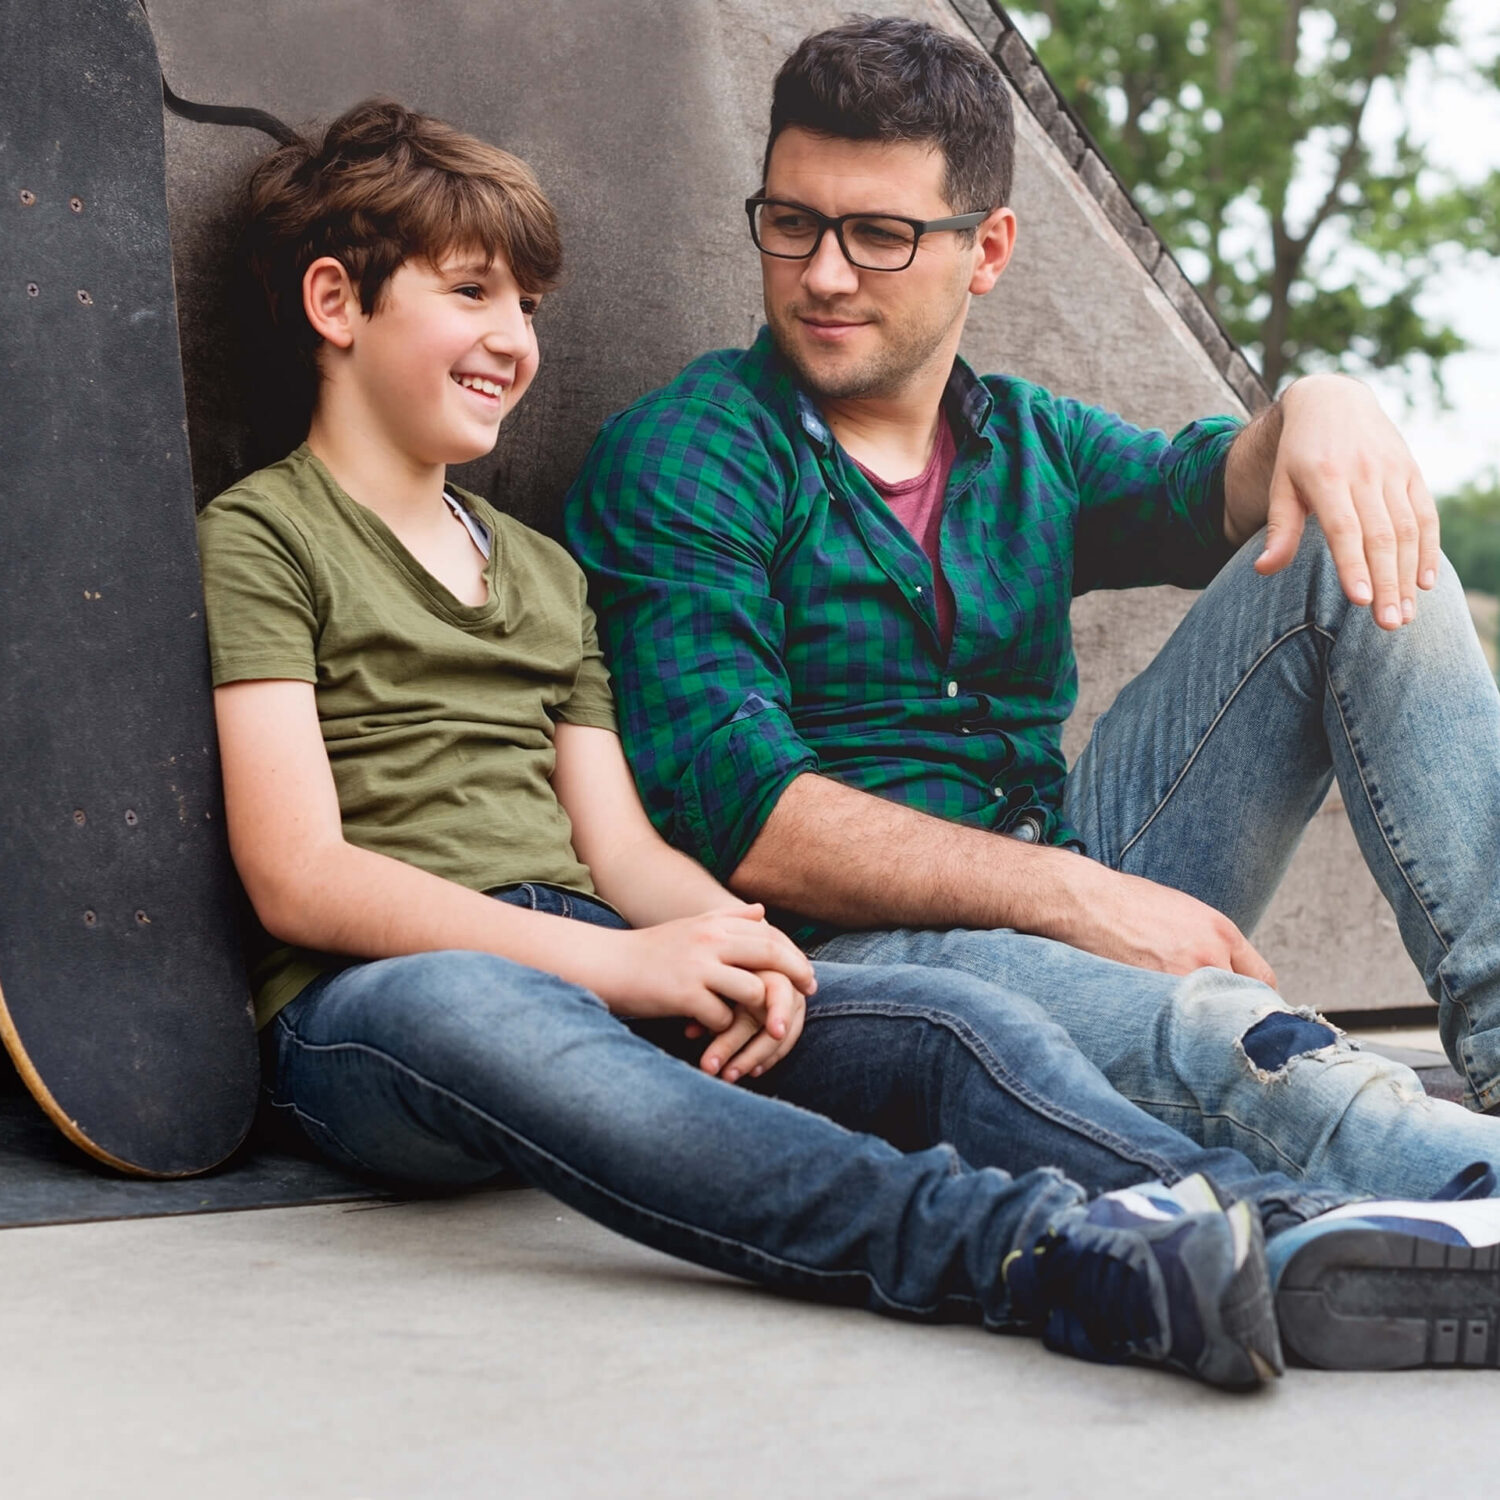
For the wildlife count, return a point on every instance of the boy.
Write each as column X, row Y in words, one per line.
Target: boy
column 479, row 957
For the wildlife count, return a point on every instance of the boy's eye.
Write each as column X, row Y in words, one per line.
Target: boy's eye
column 529, row 305
column 474, row 293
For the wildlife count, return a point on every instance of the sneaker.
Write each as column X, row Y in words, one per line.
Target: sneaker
column 1164, row 1276
column 1391, row 1286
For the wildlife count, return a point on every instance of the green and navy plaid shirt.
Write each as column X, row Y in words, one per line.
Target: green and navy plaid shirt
column 764, row 613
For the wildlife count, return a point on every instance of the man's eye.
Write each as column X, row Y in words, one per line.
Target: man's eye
column 875, row 232
column 790, row 223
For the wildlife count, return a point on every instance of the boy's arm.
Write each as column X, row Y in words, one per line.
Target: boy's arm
column 313, row 889
column 648, row 881
column 634, row 868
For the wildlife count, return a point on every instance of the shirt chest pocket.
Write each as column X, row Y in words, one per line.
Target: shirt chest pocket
column 1025, row 620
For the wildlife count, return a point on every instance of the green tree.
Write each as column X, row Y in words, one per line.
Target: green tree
column 1471, row 533
column 1243, row 127
column 1471, row 538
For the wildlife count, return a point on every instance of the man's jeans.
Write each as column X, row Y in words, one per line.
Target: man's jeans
column 449, row 1069
column 1203, row 776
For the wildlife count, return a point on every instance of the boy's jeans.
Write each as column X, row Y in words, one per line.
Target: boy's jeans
column 1202, row 776
column 448, row 1069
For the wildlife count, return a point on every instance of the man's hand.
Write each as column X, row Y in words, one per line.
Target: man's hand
column 1338, row 458
column 1136, row 921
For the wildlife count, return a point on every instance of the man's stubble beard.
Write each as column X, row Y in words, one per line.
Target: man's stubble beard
column 882, row 376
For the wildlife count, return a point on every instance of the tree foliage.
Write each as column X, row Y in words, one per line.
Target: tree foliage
column 1471, row 533
column 1244, row 128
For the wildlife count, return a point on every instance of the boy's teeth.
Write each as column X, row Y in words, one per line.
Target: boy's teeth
column 475, row 383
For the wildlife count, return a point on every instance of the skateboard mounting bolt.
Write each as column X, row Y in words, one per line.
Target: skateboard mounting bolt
column 32, row 289
column 142, row 919
column 84, row 298
column 130, row 817
column 79, row 816
column 27, row 197
column 89, row 919
column 76, row 204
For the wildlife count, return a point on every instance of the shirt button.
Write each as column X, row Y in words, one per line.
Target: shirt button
column 919, row 591
column 953, row 690
column 996, row 791
column 964, row 729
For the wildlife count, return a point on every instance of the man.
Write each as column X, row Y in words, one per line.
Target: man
column 834, row 571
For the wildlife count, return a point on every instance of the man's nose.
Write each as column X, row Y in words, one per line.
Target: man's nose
column 828, row 273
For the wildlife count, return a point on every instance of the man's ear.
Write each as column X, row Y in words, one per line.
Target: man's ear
column 330, row 301
column 994, row 240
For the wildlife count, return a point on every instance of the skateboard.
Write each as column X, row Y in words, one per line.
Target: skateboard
column 123, row 999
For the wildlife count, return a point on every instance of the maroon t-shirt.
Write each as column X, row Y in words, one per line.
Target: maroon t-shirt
column 918, row 505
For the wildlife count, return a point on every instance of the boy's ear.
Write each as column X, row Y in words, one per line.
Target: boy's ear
column 330, row 301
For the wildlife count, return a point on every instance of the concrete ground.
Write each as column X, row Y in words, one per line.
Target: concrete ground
column 502, row 1345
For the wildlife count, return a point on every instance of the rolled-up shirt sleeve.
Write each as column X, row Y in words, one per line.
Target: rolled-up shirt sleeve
column 1150, row 507
column 674, row 517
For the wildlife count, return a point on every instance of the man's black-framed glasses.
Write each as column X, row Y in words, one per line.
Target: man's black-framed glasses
column 873, row 242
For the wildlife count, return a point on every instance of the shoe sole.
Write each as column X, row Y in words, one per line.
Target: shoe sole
column 1367, row 1299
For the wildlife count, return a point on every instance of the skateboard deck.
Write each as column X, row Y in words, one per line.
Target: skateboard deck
column 123, row 1000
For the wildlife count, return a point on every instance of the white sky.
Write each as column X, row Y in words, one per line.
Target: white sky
column 1463, row 129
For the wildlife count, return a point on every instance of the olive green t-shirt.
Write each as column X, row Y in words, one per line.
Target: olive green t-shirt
column 437, row 715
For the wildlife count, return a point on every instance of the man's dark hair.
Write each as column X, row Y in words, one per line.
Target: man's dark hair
column 894, row 79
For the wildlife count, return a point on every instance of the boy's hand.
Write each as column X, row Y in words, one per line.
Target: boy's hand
column 699, row 967
column 756, row 1041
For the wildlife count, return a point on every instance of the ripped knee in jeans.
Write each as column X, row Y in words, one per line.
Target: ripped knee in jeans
column 1274, row 1040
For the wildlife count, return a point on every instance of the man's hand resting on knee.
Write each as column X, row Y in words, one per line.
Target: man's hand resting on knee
column 1326, row 449
column 1136, row 921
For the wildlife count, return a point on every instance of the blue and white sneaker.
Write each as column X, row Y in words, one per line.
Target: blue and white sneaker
column 1391, row 1285
column 1164, row 1276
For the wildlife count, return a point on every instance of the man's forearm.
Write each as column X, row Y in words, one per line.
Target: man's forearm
column 844, row 856
column 840, row 855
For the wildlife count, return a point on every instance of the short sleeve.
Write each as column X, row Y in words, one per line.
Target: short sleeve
column 591, row 703
column 258, row 592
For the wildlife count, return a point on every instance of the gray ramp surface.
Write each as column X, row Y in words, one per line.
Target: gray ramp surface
column 645, row 122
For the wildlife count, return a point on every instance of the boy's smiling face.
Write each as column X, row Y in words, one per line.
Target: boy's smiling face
column 448, row 350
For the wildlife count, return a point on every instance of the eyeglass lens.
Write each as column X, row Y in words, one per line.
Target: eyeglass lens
column 876, row 243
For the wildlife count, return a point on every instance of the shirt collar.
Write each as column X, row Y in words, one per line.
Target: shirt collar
column 965, row 398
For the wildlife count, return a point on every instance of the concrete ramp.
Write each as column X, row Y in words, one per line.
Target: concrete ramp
column 645, row 120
